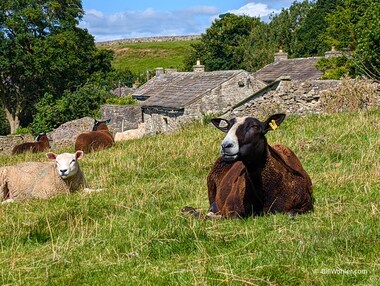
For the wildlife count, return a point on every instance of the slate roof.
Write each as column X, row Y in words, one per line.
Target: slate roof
column 296, row 69
column 178, row 89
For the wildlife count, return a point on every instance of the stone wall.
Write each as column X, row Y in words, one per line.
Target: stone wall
column 290, row 97
column 162, row 122
column 65, row 135
column 8, row 142
column 149, row 40
column 123, row 117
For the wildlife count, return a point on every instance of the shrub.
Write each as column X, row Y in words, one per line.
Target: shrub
column 336, row 67
column 23, row 130
column 125, row 100
column 85, row 101
column 47, row 115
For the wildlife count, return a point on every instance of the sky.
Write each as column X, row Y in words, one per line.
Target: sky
column 119, row 19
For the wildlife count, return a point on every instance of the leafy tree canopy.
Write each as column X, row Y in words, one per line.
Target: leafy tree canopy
column 220, row 47
column 367, row 53
column 85, row 101
column 42, row 50
column 285, row 26
column 311, row 34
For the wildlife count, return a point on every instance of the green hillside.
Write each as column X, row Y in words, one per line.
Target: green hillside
column 133, row 233
column 140, row 57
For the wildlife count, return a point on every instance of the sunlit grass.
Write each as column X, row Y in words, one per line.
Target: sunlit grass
column 133, row 233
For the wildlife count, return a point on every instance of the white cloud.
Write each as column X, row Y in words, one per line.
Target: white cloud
column 94, row 13
column 254, row 10
column 147, row 23
column 151, row 22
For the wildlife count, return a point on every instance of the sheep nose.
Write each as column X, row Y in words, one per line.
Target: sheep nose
column 63, row 171
column 227, row 145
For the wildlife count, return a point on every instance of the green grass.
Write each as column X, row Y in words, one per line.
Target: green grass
column 140, row 57
column 133, row 233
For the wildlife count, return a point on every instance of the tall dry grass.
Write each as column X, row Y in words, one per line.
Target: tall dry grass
column 351, row 95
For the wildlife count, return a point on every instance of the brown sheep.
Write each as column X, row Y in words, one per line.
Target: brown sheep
column 252, row 177
column 97, row 139
column 41, row 144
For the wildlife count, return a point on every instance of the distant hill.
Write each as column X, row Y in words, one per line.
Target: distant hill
column 142, row 54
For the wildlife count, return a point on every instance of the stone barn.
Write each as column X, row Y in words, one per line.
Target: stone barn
column 169, row 99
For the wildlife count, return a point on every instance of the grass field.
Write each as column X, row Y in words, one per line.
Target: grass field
column 133, row 233
column 140, row 57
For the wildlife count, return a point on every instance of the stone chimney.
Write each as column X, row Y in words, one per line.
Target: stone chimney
column 280, row 56
column 333, row 53
column 170, row 70
column 198, row 67
column 159, row 71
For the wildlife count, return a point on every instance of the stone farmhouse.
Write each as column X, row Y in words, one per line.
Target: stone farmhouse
column 171, row 98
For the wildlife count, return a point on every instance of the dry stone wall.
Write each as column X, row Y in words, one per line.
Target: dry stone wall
column 65, row 135
column 8, row 142
column 290, row 97
column 149, row 40
column 123, row 117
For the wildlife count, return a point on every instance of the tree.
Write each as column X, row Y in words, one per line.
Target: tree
column 286, row 25
column 220, row 47
column 41, row 50
column 367, row 53
column 354, row 28
column 4, row 125
column 342, row 31
column 259, row 47
column 310, row 34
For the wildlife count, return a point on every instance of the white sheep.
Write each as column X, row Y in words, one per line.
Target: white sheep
column 131, row 134
column 42, row 179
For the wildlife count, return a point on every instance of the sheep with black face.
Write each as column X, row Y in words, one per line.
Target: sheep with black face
column 251, row 177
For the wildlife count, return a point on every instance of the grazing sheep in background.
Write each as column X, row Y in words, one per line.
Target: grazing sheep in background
column 97, row 139
column 42, row 179
column 131, row 134
column 252, row 177
column 41, row 144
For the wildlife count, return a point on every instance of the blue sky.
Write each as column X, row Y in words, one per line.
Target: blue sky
column 118, row 19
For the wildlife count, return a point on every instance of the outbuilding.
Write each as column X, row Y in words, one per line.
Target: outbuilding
column 171, row 98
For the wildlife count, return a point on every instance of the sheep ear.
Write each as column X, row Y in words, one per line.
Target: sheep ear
column 51, row 155
column 79, row 154
column 273, row 122
column 222, row 124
